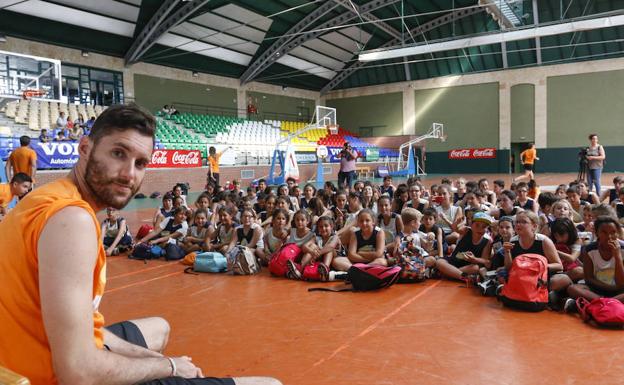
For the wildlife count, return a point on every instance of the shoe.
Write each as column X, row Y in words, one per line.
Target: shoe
column 499, row 289
column 570, row 306
column 115, row 251
column 323, row 272
column 487, row 288
column 554, row 300
column 293, row 272
column 337, row 275
column 469, row 279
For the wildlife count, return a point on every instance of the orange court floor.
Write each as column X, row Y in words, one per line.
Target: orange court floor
column 436, row 332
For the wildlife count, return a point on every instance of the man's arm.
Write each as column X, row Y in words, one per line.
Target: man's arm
column 33, row 165
column 66, row 281
column 8, row 170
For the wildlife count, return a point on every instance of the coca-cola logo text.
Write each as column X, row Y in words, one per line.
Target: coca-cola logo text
column 472, row 153
column 176, row 158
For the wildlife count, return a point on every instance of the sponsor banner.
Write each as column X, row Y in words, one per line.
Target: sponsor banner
column 55, row 154
column 175, row 159
column 472, row 153
column 372, row 154
column 334, row 151
column 306, row 157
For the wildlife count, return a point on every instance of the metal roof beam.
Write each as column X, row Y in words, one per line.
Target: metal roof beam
column 294, row 38
column 160, row 24
column 497, row 14
column 433, row 24
column 538, row 41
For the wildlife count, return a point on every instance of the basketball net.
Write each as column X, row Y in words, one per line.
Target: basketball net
column 333, row 129
column 28, row 94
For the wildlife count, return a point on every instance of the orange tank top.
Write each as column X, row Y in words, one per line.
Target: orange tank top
column 24, row 346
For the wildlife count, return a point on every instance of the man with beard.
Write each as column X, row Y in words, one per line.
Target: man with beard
column 54, row 272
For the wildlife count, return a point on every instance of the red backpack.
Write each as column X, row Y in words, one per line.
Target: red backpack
column 606, row 312
column 278, row 264
column 527, row 286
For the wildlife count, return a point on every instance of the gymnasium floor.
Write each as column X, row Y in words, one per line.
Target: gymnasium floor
column 437, row 332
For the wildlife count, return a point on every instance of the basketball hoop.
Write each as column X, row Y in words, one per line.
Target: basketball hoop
column 27, row 94
column 333, row 129
column 443, row 138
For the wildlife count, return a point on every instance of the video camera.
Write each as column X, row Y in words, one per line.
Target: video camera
column 582, row 154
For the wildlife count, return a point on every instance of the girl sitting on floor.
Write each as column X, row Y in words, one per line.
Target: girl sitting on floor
column 117, row 238
column 602, row 265
column 198, row 232
column 367, row 243
column 221, row 238
column 389, row 222
column 276, row 235
column 438, row 248
column 171, row 230
column 300, row 234
column 164, row 211
column 449, row 217
column 249, row 234
column 320, row 251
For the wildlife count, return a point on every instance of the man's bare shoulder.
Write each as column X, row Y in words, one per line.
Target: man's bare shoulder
column 72, row 222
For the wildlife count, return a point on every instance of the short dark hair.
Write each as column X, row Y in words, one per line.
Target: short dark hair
column 509, row 194
column 123, row 117
column 591, row 136
column 574, row 190
column 547, row 199
column 24, row 140
column 430, row 212
column 603, row 220
column 500, row 183
column 20, row 177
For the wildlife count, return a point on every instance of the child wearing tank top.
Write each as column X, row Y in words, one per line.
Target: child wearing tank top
column 222, row 237
column 276, row 235
column 300, row 234
column 249, row 234
column 198, row 232
column 367, row 243
column 117, row 238
column 320, row 251
column 389, row 222
column 449, row 217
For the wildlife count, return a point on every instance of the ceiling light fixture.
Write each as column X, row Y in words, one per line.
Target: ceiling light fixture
column 494, row 38
column 195, row 74
column 2, row 38
column 84, row 53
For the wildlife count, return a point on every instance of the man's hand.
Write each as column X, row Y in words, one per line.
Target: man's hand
column 185, row 368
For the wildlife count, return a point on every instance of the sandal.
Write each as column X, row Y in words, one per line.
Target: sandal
column 323, row 272
column 293, row 272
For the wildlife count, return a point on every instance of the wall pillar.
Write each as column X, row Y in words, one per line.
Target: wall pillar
column 409, row 111
column 504, row 116
column 541, row 114
column 241, row 102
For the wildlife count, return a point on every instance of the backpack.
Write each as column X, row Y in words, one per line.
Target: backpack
column 143, row 231
column 411, row 262
column 174, row 252
column 363, row 277
column 278, row 264
column 146, row 251
column 527, row 285
column 242, row 261
column 209, row 262
column 607, row 312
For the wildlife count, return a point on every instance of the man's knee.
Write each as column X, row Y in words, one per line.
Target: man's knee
column 155, row 331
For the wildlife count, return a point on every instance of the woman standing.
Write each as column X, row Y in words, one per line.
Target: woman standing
column 528, row 157
column 595, row 162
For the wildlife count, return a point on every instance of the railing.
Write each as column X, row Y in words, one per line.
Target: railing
column 234, row 112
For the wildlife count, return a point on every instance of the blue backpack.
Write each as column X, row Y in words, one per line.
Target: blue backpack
column 209, row 262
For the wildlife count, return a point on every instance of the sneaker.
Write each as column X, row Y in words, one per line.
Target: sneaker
column 293, row 272
column 487, row 288
column 499, row 289
column 553, row 300
column 469, row 279
column 570, row 306
column 115, row 251
column 337, row 275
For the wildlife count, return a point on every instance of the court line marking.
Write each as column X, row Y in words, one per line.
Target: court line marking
column 138, row 271
column 143, row 282
column 374, row 325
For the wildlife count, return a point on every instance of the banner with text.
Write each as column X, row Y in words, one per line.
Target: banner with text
column 472, row 153
column 55, row 154
column 175, row 159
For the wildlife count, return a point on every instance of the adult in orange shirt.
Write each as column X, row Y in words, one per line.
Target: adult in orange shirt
column 213, row 165
column 528, row 156
column 52, row 331
column 18, row 187
column 23, row 159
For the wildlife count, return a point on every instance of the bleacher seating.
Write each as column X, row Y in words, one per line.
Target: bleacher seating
column 39, row 114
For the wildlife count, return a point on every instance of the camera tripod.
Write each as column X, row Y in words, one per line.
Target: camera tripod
column 582, row 171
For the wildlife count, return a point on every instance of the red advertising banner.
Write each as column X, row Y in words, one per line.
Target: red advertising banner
column 473, row 153
column 175, row 159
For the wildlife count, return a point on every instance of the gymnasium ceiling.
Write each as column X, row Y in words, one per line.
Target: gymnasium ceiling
column 312, row 44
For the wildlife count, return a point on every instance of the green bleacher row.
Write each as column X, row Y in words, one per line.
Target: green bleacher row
column 207, row 125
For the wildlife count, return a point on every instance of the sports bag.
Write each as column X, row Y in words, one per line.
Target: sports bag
column 242, row 261
column 146, row 251
column 174, row 252
column 278, row 264
column 143, row 231
column 209, row 262
column 527, row 285
column 363, row 277
column 607, row 312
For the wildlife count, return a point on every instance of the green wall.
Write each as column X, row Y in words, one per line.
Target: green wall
column 282, row 107
column 523, row 113
column 469, row 114
column 587, row 103
column 373, row 115
column 153, row 92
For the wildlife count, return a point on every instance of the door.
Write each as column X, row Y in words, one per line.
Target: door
column 515, row 161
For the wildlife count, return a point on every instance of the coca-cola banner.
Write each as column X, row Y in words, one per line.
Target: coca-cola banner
column 175, row 158
column 472, row 153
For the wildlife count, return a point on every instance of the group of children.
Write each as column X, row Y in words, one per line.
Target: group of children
column 461, row 230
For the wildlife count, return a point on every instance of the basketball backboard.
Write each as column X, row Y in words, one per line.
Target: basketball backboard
column 27, row 76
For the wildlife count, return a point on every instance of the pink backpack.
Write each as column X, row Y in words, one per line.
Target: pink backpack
column 607, row 312
column 278, row 264
column 527, row 285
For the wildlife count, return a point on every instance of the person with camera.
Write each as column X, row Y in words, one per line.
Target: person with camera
column 347, row 157
column 595, row 155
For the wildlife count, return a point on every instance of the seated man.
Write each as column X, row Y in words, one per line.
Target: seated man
column 18, row 187
column 52, row 331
